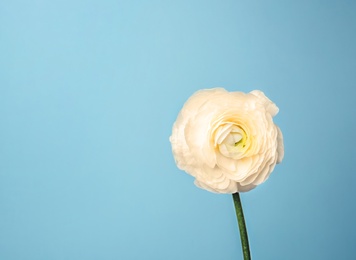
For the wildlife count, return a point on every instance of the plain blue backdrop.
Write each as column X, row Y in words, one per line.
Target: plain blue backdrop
column 89, row 91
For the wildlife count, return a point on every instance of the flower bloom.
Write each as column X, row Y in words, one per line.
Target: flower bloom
column 227, row 140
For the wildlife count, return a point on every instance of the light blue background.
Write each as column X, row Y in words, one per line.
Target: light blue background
column 89, row 91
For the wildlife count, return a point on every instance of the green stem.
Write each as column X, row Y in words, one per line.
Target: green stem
column 242, row 226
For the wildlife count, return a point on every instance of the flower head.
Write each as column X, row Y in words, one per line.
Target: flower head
column 227, row 140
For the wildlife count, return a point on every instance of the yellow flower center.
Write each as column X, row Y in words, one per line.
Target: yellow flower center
column 230, row 140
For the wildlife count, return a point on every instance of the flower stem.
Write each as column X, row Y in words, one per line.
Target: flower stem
column 242, row 226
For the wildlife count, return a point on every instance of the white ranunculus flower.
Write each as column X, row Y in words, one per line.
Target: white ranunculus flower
column 227, row 140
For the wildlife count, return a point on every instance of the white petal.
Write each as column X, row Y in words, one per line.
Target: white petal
column 280, row 148
column 245, row 188
column 225, row 163
column 221, row 133
column 269, row 105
